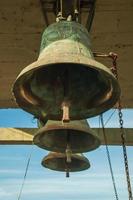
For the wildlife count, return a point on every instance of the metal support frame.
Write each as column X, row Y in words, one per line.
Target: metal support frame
column 91, row 15
column 44, row 12
column 66, row 8
column 69, row 7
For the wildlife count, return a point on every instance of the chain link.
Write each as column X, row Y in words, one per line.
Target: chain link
column 123, row 135
column 114, row 57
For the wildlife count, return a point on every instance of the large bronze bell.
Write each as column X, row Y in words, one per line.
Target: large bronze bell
column 57, row 162
column 75, row 137
column 66, row 80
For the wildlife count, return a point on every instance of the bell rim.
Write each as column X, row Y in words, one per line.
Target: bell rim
column 85, row 62
column 46, row 130
column 83, row 159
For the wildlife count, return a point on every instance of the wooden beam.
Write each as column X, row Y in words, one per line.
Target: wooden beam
column 17, row 136
column 67, row 7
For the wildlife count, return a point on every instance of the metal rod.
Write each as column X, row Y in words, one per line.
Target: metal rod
column 68, row 150
column 67, row 173
column 104, row 55
column 91, row 16
column 44, row 12
column 69, row 10
column 67, row 169
column 66, row 104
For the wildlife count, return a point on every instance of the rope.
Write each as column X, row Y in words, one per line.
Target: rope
column 109, row 159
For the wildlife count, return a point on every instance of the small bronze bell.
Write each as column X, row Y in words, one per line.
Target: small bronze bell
column 57, row 162
column 66, row 82
column 75, row 136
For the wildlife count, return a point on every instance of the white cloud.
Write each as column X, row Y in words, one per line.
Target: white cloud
column 5, row 193
column 82, row 185
column 79, row 186
column 12, row 158
column 11, row 171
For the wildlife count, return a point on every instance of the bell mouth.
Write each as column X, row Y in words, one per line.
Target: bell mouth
column 55, row 139
column 57, row 162
column 91, row 90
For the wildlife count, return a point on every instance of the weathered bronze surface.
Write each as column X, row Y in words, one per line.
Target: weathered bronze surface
column 66, row 72
column 57, row 161
column 55, row 136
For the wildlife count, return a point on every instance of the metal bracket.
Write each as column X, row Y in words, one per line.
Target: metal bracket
column 69, row 10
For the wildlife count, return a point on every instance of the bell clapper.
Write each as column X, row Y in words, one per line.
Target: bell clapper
column 68, row 150
column 65, row 108
column 66, row 103
column 68, row 158
column 67, row 173
column 68, row 154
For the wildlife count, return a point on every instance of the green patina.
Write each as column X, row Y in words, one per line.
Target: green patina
column 65, row 30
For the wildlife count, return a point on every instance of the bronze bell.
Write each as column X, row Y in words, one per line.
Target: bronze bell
column 66, row 82
column 57, row 162
column 75, row 137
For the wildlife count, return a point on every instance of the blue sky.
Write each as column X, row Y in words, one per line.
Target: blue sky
column 44, row 184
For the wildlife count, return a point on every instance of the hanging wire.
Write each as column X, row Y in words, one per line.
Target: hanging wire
column 107, row 121
column 110, row 117
column 109, row 158
column 25, row 174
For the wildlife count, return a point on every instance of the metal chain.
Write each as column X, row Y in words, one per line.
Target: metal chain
column 114, row 71
column 109, row 159
column 125, row 152
column 114, row 57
